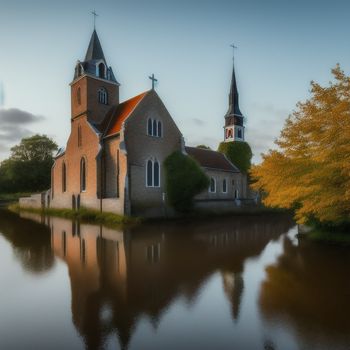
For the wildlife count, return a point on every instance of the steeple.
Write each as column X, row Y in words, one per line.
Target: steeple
column 234, row 120
column 94, row 51
column 233, row 108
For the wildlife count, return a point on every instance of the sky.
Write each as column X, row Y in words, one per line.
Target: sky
column 282, row 46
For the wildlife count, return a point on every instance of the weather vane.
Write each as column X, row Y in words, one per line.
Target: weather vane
column 95, row 15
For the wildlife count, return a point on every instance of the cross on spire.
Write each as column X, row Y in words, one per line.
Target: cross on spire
column 154, row 80
column 233, row 48
column 95, row 15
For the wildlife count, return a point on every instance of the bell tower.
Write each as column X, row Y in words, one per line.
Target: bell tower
column 94, row 88
column 234, row 120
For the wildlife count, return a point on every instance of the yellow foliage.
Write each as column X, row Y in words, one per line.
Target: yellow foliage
column 310, row 171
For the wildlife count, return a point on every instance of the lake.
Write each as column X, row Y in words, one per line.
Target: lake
column 222, row 283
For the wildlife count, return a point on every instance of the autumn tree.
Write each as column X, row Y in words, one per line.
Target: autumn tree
column 310, row 170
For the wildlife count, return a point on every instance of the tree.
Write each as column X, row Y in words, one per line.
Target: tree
column 239, row 153
column 29, row 167
column 310, row 171
column 184, row 180
column 203, row 147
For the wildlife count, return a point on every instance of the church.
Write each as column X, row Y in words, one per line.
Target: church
column 113, row 160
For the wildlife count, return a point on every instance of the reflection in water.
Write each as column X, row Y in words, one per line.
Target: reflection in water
column 308, row 289
column 119, row 276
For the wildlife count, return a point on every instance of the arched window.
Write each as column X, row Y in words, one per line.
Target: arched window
column 154, row 133
column 149, row 127
column 82, row 175
column 149, row 173
column 79, row 136
column 102, row 96
column 224, row 186
column 239, row 133
column 152, row 173
column 156, row 174
column 101, row 70
column 212, row 187
column 159, row 131
column 64, row 177
column 79, row 96
column 236, row 194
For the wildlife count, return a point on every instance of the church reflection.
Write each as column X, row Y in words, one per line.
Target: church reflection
column 118, row 276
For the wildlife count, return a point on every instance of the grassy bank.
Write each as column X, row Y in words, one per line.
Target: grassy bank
column 341, row 238
column 84, row 215
column 12, row 197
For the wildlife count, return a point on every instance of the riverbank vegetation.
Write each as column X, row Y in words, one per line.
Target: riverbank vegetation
column 83, row 214
column 309, row 172
column 28, row 169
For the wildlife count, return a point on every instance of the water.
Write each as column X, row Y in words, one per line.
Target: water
column 226, row 283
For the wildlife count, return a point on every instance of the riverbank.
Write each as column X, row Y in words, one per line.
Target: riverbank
column 340, row 238
column 8, row 198
column 83, row 214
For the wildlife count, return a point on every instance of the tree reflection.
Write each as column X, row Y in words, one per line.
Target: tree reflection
column 308, row 289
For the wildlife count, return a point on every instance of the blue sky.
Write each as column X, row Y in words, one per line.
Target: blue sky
column 282, row 45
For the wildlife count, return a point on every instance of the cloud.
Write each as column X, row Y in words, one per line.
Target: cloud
column 14, row 125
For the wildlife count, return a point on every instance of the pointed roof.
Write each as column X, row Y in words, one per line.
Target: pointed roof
column 233, row 108
column 113, row 123
column 94, row 51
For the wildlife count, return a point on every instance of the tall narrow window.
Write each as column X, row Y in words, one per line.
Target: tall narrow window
column 224, row 186
column 159, row 133
column 239, row 133
column 83, row 251
column 154, row 133
column 64, row 177
column 79, row 96
column 149, row 174
column 149, row 127
column 79, row 136
column 82, row 175
column 212, row 187
column 64, row 243
column 101, row 70
column 156, row 174
column 102, row 96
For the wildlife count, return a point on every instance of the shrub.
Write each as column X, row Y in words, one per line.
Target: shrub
column 184, row 180
column 239, row 153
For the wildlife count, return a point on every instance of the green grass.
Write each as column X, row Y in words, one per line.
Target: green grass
column 12, row 197
column 327, row 237
column 84, row 215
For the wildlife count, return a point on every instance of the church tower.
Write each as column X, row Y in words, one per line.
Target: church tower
column 234, row 120
column 94, row 88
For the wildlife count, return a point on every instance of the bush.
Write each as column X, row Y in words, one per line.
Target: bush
column 239, row 153
column 184, row 180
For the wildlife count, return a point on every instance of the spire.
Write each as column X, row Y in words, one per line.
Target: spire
column 233, row 97
column 94, row 51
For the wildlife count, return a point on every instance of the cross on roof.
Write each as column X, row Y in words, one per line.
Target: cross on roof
column 154, row 80
column 95, row 15
column 233, row 48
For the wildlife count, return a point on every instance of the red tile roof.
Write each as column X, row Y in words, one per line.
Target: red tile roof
column 121, row 113
column 211, row 159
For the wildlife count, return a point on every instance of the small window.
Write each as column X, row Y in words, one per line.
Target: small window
column 64, row 177
column 239, row 133
column 159, row 131
column 212, row 187
column 103, row 96
column 150, row 127
column 156, row 174
column 82, row 175
column 154, row 132
column 236, row 194
column 101, row 70
column 149, row 174
column 224, row 186
column 79, row 96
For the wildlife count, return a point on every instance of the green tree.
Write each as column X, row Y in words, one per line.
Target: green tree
column 310, row 171
column 239, row 153
column 184, row 180
column 203, row 147
column 29, row 167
